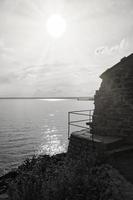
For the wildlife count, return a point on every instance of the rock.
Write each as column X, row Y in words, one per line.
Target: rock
column 113, row 113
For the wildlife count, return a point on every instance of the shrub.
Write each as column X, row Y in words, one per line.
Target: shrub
column 57, row 178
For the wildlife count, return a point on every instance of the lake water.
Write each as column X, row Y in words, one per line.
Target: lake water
column 29, row 127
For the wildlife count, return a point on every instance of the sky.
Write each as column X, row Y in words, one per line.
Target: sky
column 33, row 63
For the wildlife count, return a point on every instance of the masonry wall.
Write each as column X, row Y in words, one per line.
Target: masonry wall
column 79, row 146
column 113, row 114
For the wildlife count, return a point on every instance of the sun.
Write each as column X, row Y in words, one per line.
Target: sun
column 56, row 25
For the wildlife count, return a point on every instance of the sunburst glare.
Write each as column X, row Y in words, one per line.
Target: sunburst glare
column 56, row 25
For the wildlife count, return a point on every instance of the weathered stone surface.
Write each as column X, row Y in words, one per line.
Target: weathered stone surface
column 82, row 142
column 113, row 114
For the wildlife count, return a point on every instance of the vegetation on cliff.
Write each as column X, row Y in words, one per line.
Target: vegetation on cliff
column 62, row 178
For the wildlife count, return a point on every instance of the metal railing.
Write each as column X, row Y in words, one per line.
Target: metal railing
column 77, row 123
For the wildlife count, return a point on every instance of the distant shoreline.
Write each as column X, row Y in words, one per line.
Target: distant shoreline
column 77, row 98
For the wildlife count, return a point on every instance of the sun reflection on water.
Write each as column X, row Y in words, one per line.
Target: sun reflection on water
column 51, row 142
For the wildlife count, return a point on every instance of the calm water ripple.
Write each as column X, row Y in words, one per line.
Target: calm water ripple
column 29, row 127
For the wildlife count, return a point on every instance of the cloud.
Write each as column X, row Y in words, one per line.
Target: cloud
column 4, row 48
column 6, row 53
column 5, row 80
column 106, row 50
column 8, row 78
column 123, row 44
column 122, row 6
column 61, row 79
column 39, row 65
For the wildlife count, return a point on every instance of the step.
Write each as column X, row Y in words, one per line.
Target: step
column 104, row 142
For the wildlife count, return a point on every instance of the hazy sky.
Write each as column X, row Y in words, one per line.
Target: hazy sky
column 33, row 63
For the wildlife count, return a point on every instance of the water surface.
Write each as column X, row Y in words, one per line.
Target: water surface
column 29, row 127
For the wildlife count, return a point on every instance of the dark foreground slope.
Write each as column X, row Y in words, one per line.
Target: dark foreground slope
column 62, row 178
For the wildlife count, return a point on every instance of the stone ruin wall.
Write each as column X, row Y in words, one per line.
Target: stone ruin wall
column 113, row 114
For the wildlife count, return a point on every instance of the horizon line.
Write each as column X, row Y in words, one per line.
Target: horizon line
column 78, row 98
